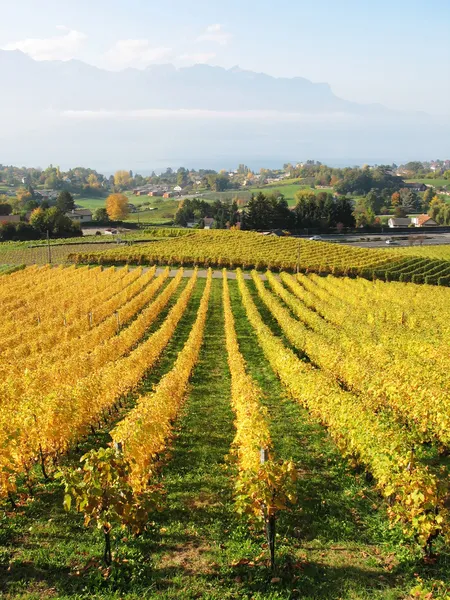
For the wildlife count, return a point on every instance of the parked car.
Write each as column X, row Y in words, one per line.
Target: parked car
column 392, row 243
column 316, row 238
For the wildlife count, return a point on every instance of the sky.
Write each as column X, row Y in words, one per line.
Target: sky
column 394, row 52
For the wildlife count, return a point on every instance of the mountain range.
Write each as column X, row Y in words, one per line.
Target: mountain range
column 74, row 85
column 68, row 111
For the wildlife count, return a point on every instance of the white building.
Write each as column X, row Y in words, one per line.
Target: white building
column 399, row 222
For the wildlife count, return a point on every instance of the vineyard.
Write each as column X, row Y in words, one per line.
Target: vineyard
column 249, row 250
column 57, row 251
column 188, row 434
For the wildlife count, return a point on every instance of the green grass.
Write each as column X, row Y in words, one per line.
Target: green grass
column 164, row 212
column 90, row 202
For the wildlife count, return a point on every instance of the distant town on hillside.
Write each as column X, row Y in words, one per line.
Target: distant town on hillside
column 298, row 196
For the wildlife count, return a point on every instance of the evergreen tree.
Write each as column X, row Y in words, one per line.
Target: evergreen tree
column 65, row 202
column 259, row 213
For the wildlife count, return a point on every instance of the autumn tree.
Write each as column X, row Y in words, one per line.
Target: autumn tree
column 117, row 207
column 396, row 199
column 92, row 181
column 23, row 195
column 122, row 179
column 427, row 198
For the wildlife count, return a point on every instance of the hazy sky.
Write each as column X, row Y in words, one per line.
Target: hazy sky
column 396, row 52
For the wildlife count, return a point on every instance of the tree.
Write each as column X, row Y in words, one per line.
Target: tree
column 427, row 198
column 373, row 202
column 396, row 199
column 400, row 212
column 23, row 195
column 53, row 221
column 436, row 209
column 413, row 167
column 364, row 217
column 51, row 181
column 92, row 181
column 218, row 183
column 182, row 177
column 5, row 209
column 258, row 213
column 101, row 214
column 65, row 202
column 362, row 181
column 282, row 216
column 117, row 207
column 122, row 179
column 31, row 205
column 409, row 199
column 344, row 213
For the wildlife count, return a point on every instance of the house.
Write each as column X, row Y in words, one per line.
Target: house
column 47, row 195
column 154, row 193
column 9, row 219
column 399, row 222
column 168, row 195
column 208, row 222
column 416, row 187
column 424, row 221
column 178, row 189
column 80, row 215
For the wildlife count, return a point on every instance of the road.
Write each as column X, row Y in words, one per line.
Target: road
column 378, row 240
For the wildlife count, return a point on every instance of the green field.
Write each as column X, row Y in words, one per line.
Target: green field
column 90, row 202
column 432, row 182
column 162, row 213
